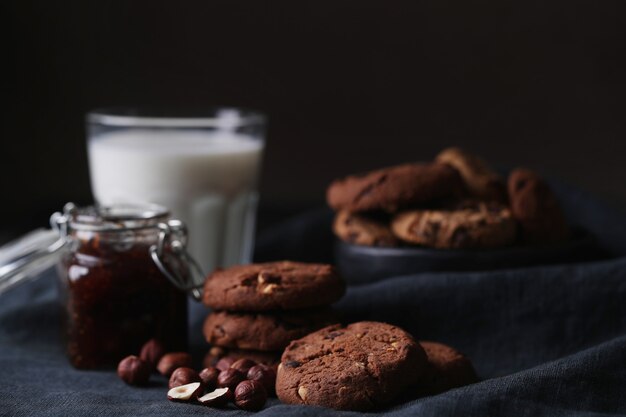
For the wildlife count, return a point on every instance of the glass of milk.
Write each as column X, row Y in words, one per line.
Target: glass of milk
column 204, row 166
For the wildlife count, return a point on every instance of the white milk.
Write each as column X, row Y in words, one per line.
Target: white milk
column 207, row 179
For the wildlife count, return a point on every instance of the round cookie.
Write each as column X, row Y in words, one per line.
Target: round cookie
column 361, row 230
column 469, row 225
column 448, row 368
column 481, row 181
column 283, row 285
column 216, row 353
column 359, row 367
column 396, row 187
column 536, row 208
column 265, row 332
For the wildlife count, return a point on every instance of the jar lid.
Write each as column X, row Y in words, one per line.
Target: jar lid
column 26, row 257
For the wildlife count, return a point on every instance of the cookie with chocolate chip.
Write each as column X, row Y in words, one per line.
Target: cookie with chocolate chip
column 283, row 285
column 468, row 225
column 390, row 189
column 359, row 367
column 362, row 230
column 482, row 182
column 265, row 332
column 449, row 368
column 536, row 208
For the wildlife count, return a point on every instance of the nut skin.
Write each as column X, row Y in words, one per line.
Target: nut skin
column 152, row 351
column 243, row 365
column 224, row 363
column 208, row 376
column 230, row 378
column 133, row 370
column 250, row 395
column 183, row 376
column 170, row 361
column 265, row 375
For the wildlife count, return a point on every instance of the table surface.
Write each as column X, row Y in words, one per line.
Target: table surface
column 546, row 340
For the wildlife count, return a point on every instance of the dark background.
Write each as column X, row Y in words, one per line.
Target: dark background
column 348, row 85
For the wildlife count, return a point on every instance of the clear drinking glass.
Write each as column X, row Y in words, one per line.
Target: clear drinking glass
column 202, row 165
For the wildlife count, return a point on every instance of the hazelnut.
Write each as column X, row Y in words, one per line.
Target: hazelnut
column 133, row 370
column 170, row 361
column 208, row 376
column 185, row 392
column 183, row 376
column 224, row 363
column 265, row 375
column 152, row 351
column 217, row 398
column 212, row 356
column 230, row 378
column 243, row 365
column 303, row 392
column 250, row 395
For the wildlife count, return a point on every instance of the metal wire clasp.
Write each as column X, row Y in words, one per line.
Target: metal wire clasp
column 173, row 235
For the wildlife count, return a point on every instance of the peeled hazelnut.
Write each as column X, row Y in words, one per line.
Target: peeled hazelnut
column 185, row 392
column 170, row 361
column 208, row 376
column 133, row 370
column 265, row 375
column 217, row 398
column 151, row 352
column 183, row 376
column 230, row 378
column 250, row 395
column 243, row 365
column 224, row 363
column 303, row 392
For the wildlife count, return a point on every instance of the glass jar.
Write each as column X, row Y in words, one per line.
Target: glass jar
column 123, row 274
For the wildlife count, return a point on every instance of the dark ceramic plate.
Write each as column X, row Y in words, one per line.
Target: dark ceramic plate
column 364, row 264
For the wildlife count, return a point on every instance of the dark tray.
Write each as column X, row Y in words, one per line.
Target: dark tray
column 364, row 264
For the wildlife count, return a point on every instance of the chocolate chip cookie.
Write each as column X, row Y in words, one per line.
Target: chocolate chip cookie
column 266, row 332
column 536, row 208
column 468, row 225
column 269, row 286
column 358, row 367
column 396, row 187
column 481, row 181
column 448, row 368
column 362, row 230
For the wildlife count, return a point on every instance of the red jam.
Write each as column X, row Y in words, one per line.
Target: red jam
column 115, row 299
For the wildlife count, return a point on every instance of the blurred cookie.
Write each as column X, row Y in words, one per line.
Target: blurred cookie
column 536, row 208
column 396, row 187
column 448, row 368
column 264, row 332
column 481, row 181
column 469, row 225
column 269, row 286
column 357, row 367
column 362, row 230
column 216, row 353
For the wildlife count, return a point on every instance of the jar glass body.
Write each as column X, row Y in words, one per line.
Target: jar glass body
column 114, row 298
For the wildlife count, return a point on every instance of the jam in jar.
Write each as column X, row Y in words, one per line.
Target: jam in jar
column 113, row 294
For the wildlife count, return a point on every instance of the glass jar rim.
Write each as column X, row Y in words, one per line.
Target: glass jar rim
column 211, row 117
column 116, row 218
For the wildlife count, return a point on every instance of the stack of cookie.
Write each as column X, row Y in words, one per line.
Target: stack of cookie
column 455, row 202
column 259, row 308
